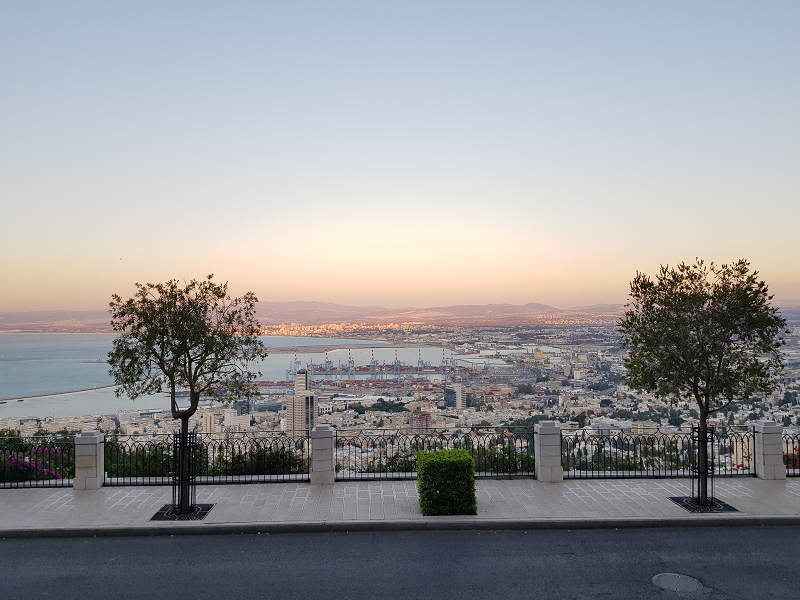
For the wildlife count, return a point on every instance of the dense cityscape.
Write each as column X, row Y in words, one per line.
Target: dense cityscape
column 503, row 377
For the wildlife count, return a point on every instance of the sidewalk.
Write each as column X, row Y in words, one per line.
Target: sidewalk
column 390, row 505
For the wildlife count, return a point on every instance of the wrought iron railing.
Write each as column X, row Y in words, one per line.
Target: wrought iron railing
column 139, row 459
column 587, row 454
column 791, row 454
column 247, row 457
column 253, row 457
column 392, row 454
column 42, row 461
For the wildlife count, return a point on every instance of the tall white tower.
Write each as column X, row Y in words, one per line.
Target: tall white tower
column 301, row 408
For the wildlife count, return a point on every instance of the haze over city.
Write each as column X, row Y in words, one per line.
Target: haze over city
column 416, row 154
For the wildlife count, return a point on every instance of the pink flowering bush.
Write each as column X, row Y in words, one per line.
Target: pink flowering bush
column 22, row 462
column 792, row 459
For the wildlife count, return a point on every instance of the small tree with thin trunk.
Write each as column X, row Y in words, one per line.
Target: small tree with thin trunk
column 191, row 336
column 705, row 334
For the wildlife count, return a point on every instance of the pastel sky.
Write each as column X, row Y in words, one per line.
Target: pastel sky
column 394, row 153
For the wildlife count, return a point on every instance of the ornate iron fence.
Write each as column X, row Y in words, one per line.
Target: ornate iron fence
column 734, row 451
column 587, row 455
column 248, row 457
column 139, row 459
column 392, row 454
column 45, row 461
column 791, row 454
column 253, row 457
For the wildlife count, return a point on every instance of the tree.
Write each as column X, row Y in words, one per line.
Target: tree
column 192, row 336
column 675, row 419
column 387, row 406
column 358, row 407
column 702, row 333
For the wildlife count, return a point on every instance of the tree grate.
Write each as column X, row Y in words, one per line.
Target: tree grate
column 713, row 506
column 198, row 512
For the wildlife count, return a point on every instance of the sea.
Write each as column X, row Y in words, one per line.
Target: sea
column 65, row 374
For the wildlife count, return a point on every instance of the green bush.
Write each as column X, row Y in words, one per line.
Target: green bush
column 141, row 460
column 446, row 483
column 261, row 461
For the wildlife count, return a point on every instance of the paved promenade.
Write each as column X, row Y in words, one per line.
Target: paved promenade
column 390, row 505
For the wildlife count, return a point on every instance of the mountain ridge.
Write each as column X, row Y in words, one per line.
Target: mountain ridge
column 307, row 312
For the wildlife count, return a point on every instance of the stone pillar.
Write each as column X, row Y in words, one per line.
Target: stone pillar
column 322, row 464
column 769, row 451
column 547, row 451
column 89, row 461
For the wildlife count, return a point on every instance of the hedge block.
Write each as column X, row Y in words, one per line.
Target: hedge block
column 446, row 483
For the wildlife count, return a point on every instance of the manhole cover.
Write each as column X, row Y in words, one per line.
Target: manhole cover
column 675, row 582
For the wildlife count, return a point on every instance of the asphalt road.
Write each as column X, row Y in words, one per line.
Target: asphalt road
column 731, row 562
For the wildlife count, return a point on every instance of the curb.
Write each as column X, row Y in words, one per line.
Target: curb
column 430, row 524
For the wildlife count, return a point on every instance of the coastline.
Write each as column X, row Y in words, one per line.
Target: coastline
column 18, row 398
column 320, row 349
column 85, row 390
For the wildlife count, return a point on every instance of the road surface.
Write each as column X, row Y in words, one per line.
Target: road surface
column 731, row 562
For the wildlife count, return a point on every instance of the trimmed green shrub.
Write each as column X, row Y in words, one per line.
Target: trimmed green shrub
column 446, row 483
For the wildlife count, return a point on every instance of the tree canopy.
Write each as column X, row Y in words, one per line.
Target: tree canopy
column 193, row 336
column 702, row 333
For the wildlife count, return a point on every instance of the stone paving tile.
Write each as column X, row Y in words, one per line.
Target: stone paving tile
column 377, row 500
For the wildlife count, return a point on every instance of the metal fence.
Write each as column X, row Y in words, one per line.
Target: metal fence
column 392, row 454
column 139, row 459
column 254, row 457
column 587, row 455
column 45, row 461
column 247, row 457
column 791, row 454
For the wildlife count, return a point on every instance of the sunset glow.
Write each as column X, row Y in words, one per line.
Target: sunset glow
column 418, row 154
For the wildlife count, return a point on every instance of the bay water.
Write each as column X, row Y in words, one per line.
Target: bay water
column 65, row 374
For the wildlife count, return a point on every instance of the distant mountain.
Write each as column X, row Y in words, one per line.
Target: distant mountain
column 794, row 304
column 790, row 310
column 597, row 308
column 317, row 313
column 471, row 314
column 475, row 310
column 56, row 321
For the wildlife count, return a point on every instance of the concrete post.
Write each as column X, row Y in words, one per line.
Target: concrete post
column 322, row 464
column 89, row 461
column 769, row 451
column 547, row 451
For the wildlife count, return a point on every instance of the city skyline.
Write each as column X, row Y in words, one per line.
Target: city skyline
column 418, row 155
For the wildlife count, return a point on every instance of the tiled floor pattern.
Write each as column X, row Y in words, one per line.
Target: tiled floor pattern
column 387, row 500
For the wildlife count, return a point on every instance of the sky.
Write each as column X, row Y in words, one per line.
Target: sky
column 394, row 153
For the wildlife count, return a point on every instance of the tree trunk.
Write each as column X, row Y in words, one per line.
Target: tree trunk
column 702, row 459
column 183, row 461
column 184, row 452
